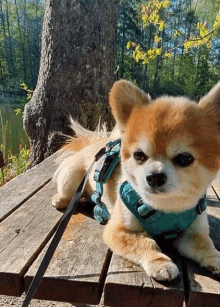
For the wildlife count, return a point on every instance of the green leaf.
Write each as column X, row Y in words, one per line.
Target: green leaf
column 162, row 26
column 128, row 46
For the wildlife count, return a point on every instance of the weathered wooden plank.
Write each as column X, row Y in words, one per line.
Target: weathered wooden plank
column 79, row 266
column 204, row 288
column 18, row 190
column 23, row 235
column 127, row 285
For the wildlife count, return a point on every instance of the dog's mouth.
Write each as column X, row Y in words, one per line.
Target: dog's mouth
column 159, row 192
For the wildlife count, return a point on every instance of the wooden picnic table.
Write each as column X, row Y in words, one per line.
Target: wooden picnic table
column 83, row 269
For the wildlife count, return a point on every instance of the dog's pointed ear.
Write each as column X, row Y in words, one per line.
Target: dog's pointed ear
column 210, row 103
column 124, row 96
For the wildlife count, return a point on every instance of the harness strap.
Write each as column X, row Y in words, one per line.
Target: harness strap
column 153, row 215
column 158, row 223
column 102, row 173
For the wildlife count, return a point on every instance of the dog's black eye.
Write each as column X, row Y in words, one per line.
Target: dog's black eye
column 184, row 159
column 140, row 156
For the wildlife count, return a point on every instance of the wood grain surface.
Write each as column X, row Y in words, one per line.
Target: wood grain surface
column 14, row 193
column 127, row 285
column 79, row 266
column 82, row 266
column 22, row 237
column 203, row 288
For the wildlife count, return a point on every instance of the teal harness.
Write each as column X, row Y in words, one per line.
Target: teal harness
column 157, row 223
column 102, row 173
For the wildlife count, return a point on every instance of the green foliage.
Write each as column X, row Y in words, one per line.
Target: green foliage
column 20, row 39
column 205, row 36
column 206, row 10
column 13, row 142
column 147, row 56
column 16, row 165
column 20, row 162
column 12, row 135
column 28, row 91
column 18, row 111
column 152, row 14
column 174, row 49
column 20, row 43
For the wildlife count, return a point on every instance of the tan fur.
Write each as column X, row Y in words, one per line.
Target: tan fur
column 160, row 125
column 127, row 94
column 162, row 129
column 76, row 144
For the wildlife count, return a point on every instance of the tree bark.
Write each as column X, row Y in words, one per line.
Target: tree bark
column 76, row 71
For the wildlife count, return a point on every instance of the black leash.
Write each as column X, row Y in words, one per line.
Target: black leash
column 59, row 232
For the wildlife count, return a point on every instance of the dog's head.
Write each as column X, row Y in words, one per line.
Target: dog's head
column 170, row 146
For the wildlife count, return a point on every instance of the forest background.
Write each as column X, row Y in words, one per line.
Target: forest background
column 165, row 47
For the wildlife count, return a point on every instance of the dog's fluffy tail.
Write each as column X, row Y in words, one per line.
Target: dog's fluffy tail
column 81, row 139
column 84, row 137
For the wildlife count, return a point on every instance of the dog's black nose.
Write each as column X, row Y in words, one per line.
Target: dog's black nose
column 156, row 180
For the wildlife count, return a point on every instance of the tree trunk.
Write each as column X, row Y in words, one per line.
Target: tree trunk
column 76, row 71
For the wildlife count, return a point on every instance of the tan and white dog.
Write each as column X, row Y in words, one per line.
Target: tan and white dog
column 170, row 154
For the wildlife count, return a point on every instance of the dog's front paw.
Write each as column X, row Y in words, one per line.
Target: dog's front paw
column 212, row 264
column 161, row 269
column 59, row 203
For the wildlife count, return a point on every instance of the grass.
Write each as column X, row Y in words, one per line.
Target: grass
column 15, row 166
column 13, row 142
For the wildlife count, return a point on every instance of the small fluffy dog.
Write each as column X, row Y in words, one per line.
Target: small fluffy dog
column 170, row 154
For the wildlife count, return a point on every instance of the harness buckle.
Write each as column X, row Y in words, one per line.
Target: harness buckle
column 101, row 213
